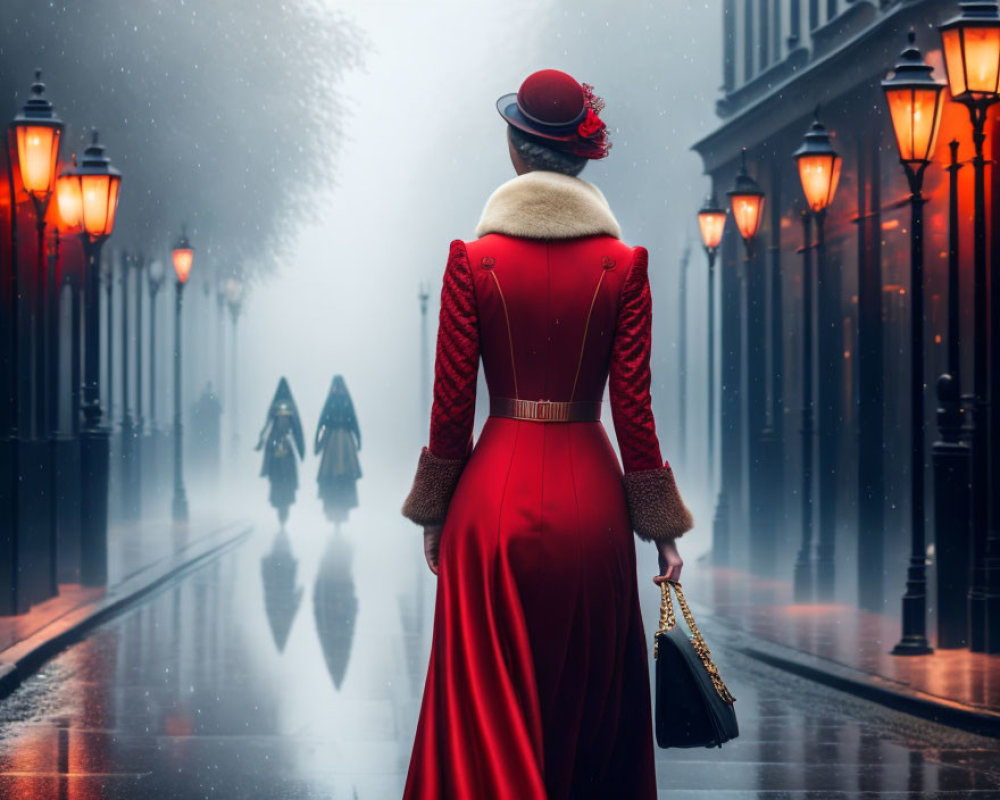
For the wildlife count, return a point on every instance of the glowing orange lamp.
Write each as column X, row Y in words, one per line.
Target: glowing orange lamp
column 711, row 223
column 915, row 100
column 69, row 199
column 99, row 188
column 746, row 200
column 183, row 257
column 971, row 44
column 819, row 167
column 37, row 131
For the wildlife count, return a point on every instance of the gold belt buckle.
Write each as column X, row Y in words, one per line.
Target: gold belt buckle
column 543, row 410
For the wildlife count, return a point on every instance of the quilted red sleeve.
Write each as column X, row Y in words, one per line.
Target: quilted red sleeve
column 629, row 378
column 456, row 365
column 456, row 369
column 654, row 502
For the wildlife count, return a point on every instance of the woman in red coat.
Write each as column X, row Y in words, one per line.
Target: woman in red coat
column 538, row 684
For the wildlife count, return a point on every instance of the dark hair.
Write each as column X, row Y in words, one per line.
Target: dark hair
column 537, row 155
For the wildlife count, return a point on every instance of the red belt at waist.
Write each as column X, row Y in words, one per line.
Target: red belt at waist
column 545, row 410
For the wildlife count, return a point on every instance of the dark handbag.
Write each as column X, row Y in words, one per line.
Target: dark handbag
column 693, row 706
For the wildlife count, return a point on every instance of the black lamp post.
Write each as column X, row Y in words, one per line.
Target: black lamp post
column 37, row 131
column 129, row 494
column 70, row 202
column 139, row 262
column 155, row 277
column 819, row 173
column 65, row 485
column 99, row 189
column 914, row 99
column 12, row 598
column 682, row 356
column 950, row 455
column 139, row 265
column 107, row 269
column 183, row 256
column 971, row 44
column 746, row 203
column 235, row 291
column 711, row 224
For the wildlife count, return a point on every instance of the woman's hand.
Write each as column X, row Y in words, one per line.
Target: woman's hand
column 670, row 562
column 432, row 545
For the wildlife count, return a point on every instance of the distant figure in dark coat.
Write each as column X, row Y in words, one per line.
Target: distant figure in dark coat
column 338, row 440
column 280, row 438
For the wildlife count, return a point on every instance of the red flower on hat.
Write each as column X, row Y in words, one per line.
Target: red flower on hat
column 591, row 126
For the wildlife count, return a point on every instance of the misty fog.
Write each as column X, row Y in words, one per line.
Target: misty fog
column 423, row 149
column 328, row 152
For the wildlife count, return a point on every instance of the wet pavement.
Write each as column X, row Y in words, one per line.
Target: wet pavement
column 292, row 667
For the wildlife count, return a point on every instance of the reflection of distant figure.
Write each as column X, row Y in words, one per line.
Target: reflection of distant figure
column 336, row 606
column 338, row 438
column 281, row 436
column 281, row 595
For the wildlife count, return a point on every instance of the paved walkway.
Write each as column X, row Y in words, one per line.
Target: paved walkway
column 293, row 665
column 848, row 637
column 140, row 555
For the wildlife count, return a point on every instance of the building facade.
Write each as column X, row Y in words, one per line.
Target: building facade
column 784, row 62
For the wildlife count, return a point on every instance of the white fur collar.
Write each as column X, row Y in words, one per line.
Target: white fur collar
column 548, row 205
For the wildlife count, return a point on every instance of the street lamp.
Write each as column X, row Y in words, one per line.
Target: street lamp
column 819, row 167
column 971, row 44
column 183, row 256
column 746, row 200
column 37, row 132
column 711, row 224
column 99, row 189
column 234, row 291
column 819, row 173
column 156, row 277
column 914, row 99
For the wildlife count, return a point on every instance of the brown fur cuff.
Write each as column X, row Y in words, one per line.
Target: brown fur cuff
column 433, row 486
column 655, row 505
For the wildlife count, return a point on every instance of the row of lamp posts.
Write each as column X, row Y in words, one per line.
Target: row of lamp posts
column 230, row 293
column 87, row 197
column 971, row 44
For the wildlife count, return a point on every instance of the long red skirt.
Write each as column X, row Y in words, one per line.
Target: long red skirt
column 538, row 685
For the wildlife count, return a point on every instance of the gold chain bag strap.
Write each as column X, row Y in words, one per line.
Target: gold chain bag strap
column 693, row 706
column 668, row 621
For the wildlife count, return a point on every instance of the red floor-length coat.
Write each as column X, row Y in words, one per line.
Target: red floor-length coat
column 538, row 685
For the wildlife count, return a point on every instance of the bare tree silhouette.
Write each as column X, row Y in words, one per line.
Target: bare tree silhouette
column 223, row 113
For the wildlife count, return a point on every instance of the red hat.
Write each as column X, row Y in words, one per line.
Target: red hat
column 551, row 105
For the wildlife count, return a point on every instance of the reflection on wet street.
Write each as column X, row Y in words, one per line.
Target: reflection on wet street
column 292, row 668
